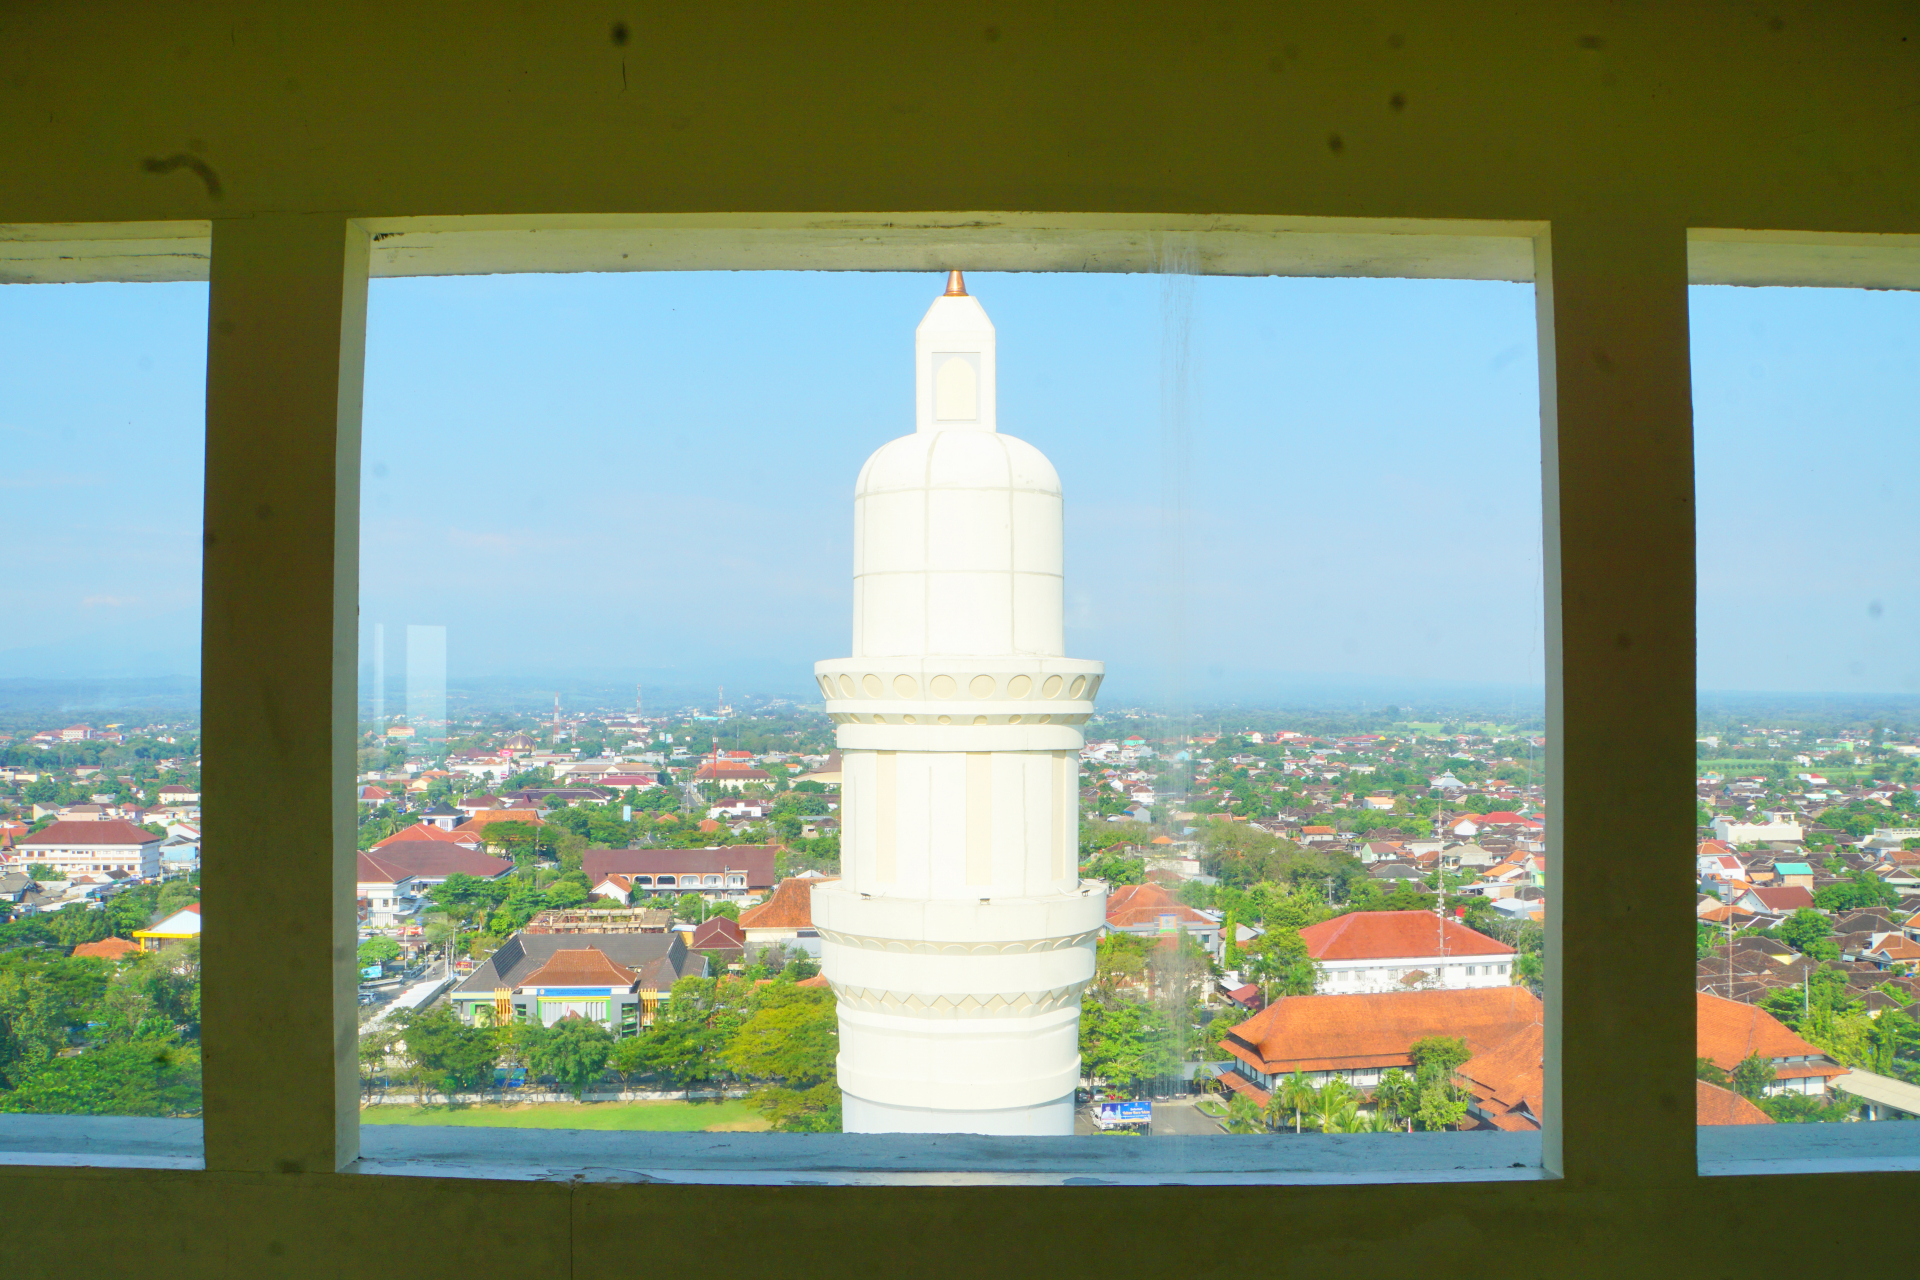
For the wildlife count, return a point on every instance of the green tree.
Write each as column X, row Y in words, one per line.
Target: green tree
column 150, row 1078
column 1279, row 962
column 1706, row 1069
column 449, row 1054
column 1116, row 869
column 573, row 1051
column 1805, row 927
column 1119, row 960
column 76, row 923
column 1396, row 1095
column 1442, row 1104
column 1752, row 1076
column 679, row 1050
column 1297, row 1094
column 789, row 1041
column 1887, row 1035
column 1243, row 1116
column 791, row 1036
column 378, row 951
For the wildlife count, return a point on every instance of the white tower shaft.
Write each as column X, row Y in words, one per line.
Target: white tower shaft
column 960, row 937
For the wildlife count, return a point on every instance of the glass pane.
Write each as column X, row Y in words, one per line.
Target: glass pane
column 1809, row 612
column 102, row 418
column 653, row 839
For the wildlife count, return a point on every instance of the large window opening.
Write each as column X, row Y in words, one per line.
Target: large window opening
column 102, row 429
column 606, row 537
column 1809, row 625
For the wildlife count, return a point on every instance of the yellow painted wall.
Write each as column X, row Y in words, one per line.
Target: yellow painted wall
column 1611, row 128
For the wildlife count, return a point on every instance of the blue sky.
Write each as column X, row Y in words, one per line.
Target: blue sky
column 647, row 476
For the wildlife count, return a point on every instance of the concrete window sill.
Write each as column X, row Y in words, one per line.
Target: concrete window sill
column 101, row 1142
column 764, row 1159
column 1879, row 1147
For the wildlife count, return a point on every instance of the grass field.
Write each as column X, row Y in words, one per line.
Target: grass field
column 729, row 1116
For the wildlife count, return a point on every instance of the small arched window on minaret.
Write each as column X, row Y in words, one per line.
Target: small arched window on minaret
column 956, row 387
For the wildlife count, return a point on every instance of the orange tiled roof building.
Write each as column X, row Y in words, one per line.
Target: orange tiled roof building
column 1382, row 951
column 1357, row 1037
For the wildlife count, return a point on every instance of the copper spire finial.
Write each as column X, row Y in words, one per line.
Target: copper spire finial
column 956, row 287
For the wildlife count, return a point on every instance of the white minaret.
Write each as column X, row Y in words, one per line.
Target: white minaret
column 960, row 935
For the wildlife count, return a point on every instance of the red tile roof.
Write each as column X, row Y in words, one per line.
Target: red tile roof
column 62, row 835
column 1389, row 935
column 790, row 907
column 1728, row 1031
column 1137, row 904
column 1714, row 1105
column 1508, row 1081
column 107, row 949
column 584, row 967
column 391, row 863
column 1782, row 898
column 425, row 832
column 1245, row 1088
column 1359, row 1032
column 481, row 817
column 717, row 934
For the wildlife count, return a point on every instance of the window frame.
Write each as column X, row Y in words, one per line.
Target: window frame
column 287, row 332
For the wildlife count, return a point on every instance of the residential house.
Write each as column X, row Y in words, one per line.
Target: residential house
column 475, row 827
column 732, row 775
column 1797, row 875
column 615, row 979
column 1776, row 899
column 786, row 916
column 1383, row 951
column 615, row 888
column 721, row 942
column 1728, row 1032
column 426, row 832
column 181, row 926
column 1149, row 910
column 442, row 815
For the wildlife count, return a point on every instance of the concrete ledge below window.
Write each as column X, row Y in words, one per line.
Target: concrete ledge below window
column 1866, row 1147
column 110, row 1142
column 774, row 1159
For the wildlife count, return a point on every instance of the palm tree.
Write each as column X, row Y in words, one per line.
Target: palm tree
column 1395, row 1093
column 1378, row 1121
column 1297, row 1094
column 1243, row 1116
column 1276, row 1109
column 1343, row 1119
column 1335, row 1102
column 1206, row 1078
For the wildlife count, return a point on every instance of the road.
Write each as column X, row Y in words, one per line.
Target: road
column 1172, row 1118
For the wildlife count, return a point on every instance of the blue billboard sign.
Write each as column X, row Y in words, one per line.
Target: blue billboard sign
column 1135, row 1112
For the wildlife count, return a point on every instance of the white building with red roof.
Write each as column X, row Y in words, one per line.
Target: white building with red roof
column 1151, row 911
column 1366, row 952
column 78, row 848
